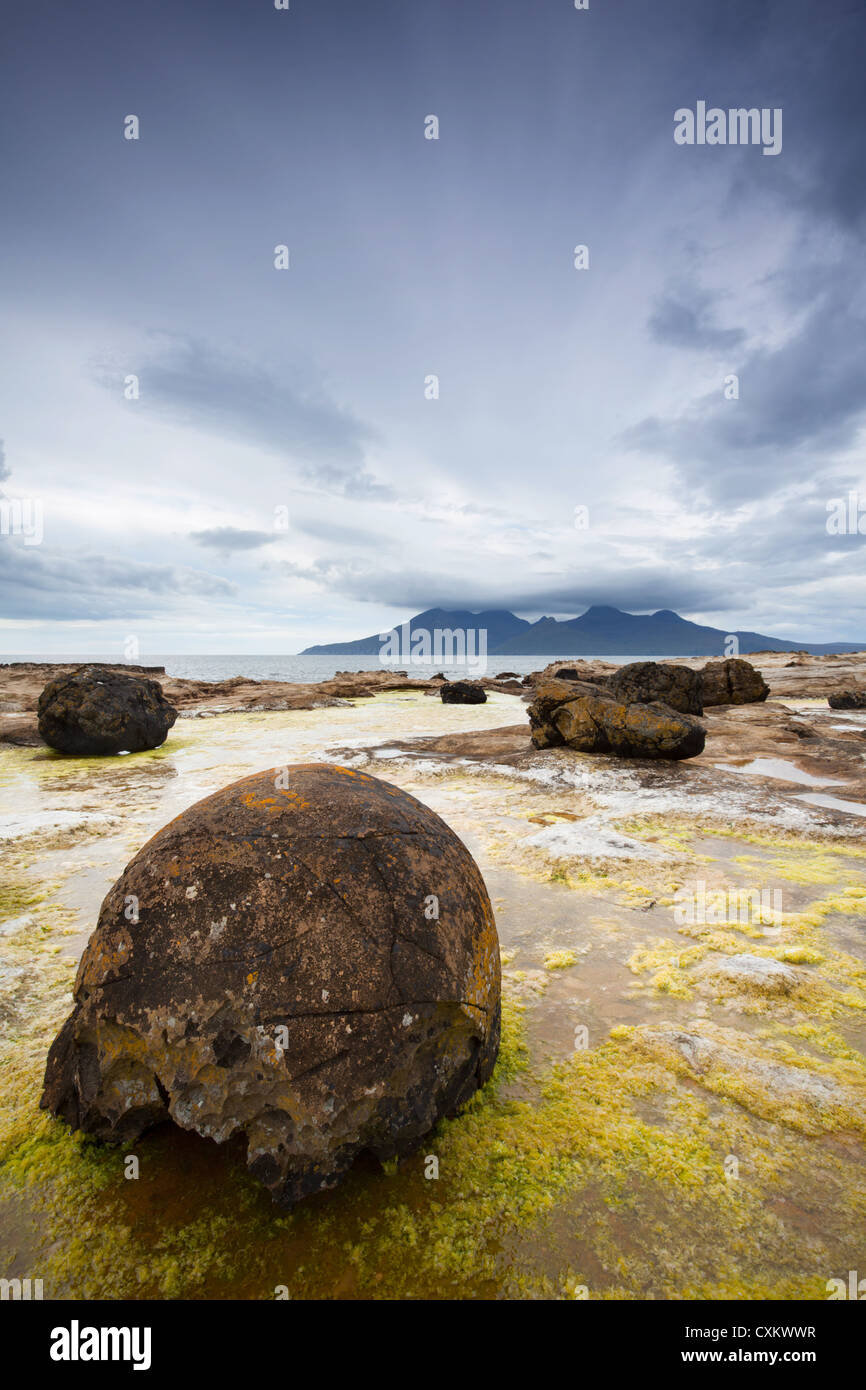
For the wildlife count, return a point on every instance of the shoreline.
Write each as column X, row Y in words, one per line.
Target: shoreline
column 789, row 676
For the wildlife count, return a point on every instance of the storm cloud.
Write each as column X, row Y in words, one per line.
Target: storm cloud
column 438, row 404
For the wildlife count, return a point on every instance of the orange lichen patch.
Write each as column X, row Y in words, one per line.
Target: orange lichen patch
column 265, row 802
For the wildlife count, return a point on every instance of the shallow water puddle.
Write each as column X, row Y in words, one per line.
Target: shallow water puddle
column 834, row 803
column 782, row 770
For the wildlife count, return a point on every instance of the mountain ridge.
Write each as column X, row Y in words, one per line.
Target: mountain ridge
column 600, row 631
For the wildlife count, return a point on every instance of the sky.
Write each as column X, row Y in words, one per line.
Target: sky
column 207, row 453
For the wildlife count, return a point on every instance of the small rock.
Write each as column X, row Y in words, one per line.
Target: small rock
column 755, row 973
column 847, row 699
column 463, row 693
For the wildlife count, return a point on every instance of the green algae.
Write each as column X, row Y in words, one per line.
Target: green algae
column 559, row 960
column 570, row 1160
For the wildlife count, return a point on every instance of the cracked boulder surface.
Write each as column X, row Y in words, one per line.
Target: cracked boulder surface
column 314, row 966
column 99, row 711
column 647, row 682
column 732, row 682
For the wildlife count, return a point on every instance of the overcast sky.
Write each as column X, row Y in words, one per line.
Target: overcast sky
column 300, row 393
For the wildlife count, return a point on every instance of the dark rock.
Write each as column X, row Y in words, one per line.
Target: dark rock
column 547, row 698
column 567, row 673
column 592, row 725
column 97, row 710
column 732, row 682
column 312, row 964
column 507, row 676
column 463, row 693
column 847, row 699
column 644, row 682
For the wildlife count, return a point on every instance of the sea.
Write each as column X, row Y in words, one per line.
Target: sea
column 308, row 669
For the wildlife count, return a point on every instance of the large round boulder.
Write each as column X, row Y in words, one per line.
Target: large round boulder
column 308, row 959
column 644, row 682
column 99, row 710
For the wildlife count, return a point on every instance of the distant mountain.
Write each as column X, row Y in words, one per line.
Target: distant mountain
column 501, row 626
column 600, row 631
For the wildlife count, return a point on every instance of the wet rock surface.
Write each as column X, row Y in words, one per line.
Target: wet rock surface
column 312, row 964
column 101, row 711
column 753, row 973
column 723, row 1060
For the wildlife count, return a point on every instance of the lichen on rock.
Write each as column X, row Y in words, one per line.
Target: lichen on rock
column 307, row 958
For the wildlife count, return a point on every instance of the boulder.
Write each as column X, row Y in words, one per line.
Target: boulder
column 732, row 682
column 98, row 710
column 307, row 959
column 547, row 699
column 644, row 682
column 847, row 699
column 551, row 694
column 593, row 725
column 463, row 693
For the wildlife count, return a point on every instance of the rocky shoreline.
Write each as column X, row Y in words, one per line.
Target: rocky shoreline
column 792, row 676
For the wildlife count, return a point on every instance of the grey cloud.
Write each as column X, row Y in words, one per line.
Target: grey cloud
column 342, row 535
column 685, row 318
column 798, row 404
column 637, row 588
column 5, row 470
column 824, row 111
column 230, row 538
column 86, row 586
column 296, row 419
